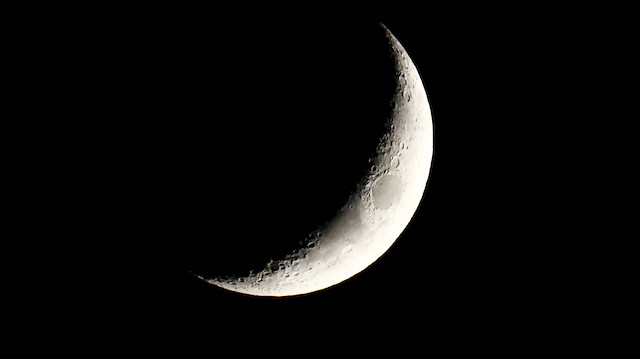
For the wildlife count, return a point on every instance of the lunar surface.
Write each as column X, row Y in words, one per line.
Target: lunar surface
column 376, row 212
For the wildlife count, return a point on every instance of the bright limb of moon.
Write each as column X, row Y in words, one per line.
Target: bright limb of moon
column 375, row 214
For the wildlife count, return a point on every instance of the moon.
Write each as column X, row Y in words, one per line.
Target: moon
column 375, row 213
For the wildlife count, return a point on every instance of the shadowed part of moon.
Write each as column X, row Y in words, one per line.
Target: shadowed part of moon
column 386, row 191
column 347, row 223
column 376, row 212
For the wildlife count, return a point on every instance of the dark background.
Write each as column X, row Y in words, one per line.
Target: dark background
column 209, row 141
column 152, row 141
column 254, row 130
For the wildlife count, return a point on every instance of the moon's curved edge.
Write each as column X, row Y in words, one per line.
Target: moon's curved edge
column 231, row 283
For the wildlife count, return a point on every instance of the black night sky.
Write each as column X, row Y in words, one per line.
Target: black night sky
column 227, row 138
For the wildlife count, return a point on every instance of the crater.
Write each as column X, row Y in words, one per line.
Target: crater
column 387, row 191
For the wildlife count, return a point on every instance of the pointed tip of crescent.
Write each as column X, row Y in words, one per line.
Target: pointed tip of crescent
column 386, row 29
column 392, row 39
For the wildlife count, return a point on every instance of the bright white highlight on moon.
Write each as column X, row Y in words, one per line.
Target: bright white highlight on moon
column 375, row 214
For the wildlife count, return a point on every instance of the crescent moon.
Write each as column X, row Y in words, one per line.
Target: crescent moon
column 376, row 212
